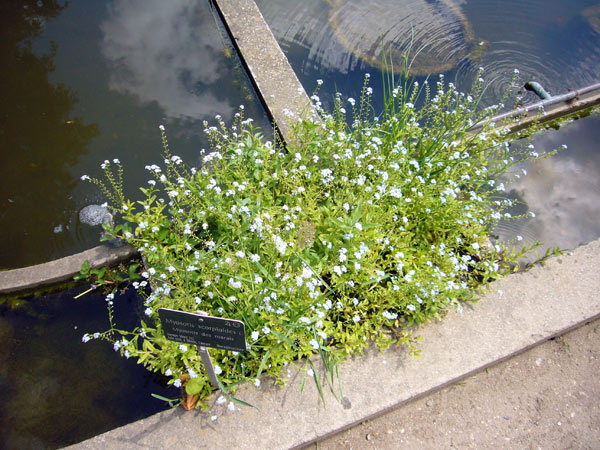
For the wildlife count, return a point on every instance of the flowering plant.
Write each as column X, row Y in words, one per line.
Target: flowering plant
column 353, row 233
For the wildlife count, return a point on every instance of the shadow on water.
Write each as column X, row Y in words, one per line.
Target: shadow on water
column 40, row 139
column 54, row 389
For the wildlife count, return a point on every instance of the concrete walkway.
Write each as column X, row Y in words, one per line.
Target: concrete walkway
column 545, row 398
column 520, row 312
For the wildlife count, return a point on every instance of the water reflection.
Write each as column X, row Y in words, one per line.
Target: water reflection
column 134, row 65
column 552, row 42
column 40, row 139
column 56, row 390
column 345, row 35
column 563, row 191
column 160, row 52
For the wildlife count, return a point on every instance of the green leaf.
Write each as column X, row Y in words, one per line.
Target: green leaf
column 194, row 386
column 171, row 401
column 283, row 338
column 85, row 268
column 263, row 363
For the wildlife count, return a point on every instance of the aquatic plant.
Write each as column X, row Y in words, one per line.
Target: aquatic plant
column 353, row 234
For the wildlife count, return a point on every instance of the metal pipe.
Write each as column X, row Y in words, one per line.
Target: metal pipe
column 538, row 89
column 541, row 105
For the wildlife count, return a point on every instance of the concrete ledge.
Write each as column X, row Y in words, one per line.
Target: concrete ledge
column 270, row 72
column 534, row 306
column 554, row 112
column 61, row 270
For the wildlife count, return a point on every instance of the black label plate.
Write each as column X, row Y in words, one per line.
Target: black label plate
column 207, row 331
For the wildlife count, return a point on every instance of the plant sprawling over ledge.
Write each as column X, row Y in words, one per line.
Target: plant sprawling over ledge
column 353, row 233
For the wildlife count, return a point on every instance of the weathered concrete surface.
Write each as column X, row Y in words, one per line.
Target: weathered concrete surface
column 275, row 81
column 61, row 270
column 545, row 398
column 533, row 307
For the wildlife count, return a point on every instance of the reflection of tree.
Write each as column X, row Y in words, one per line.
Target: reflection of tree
column 38, row 139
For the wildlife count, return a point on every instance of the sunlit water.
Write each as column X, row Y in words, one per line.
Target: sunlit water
column 555, row 43
column 119, row 70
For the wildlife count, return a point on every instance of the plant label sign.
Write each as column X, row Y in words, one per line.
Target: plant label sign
column 205, row 331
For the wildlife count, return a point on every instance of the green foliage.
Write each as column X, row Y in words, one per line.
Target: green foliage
column 352, row 235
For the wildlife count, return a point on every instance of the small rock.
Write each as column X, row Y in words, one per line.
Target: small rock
column 429, row 402
column 95, row 215
column 369, row 436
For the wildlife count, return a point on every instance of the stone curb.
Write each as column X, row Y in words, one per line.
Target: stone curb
column 275, row 81
column 519, row 312
column 61, row 270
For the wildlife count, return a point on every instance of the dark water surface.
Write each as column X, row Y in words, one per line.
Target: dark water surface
column 90, row 80
column 54, row 389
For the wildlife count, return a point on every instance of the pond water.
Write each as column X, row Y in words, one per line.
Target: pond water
column 553, row 42
column 563, row 191
column 92, row 80
column 121, row 68
column 54, row 389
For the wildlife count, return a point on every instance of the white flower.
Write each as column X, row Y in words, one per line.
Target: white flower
column 235, row 284
column 310, row 373
column 255, row 335
column 183, row 348
column 84, row 177
column 177, row 383
column 266, row 330
column 231, row 406
column 475, row 245
column 257, row 382
column 356, row 318
column 192, row 373
column 358, row 226
column 221, row 400
column 162, row 127
column 279, row 244
column 85, row 337
column 314, row 344
column 218, row 370
column 254, row 258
